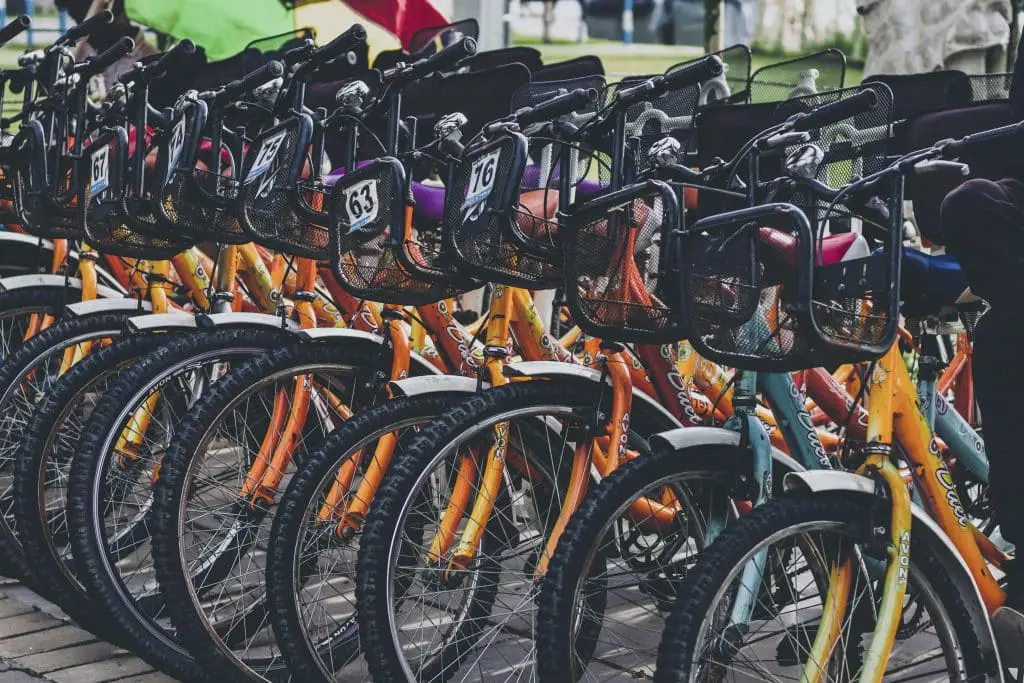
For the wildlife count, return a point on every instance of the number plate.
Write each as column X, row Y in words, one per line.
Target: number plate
column 266, row 155
column 175, row 146
column 100, row 173
column 481, row 179
column 362, row 203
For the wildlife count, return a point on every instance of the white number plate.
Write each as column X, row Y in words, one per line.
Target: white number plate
column 175, row 146
column 481, row 178
column 266, row 155
column 100, row 174
column 362, row 203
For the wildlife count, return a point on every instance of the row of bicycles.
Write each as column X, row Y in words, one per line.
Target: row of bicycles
column 711, row 421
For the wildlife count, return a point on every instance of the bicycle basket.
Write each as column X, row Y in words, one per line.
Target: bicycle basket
column 43, row 210
column 820, row 72
column 489, row 226
column 367, row 216
column 731, row 86
column 855, row 307
column 669, row 114
column 102, row 205
column 279, row 209
column 965, row 88
column 201, row 204
column 614, row 249
column 745, row 287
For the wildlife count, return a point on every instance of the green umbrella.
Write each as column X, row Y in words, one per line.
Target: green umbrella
column 222, row 27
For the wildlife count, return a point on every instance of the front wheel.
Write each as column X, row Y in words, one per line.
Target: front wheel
column 800, row 539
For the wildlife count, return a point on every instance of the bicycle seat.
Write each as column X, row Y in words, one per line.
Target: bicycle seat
column 845, row 246
column 931, row 281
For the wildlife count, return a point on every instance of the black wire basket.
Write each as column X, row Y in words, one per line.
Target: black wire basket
column 967, row 88
column 200, row 204
column 803, row 282
column 102, row 207
column 615, row 253
column 373, row 239
column 799, row 77
column 732, row 85
column 277, row 207
column 46, row 203
column 492, row 230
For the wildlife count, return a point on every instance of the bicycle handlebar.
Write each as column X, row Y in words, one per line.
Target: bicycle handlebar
column 450, row 56
column 559, row 106
column 267, row 72
column 100, row 62
column 708, row 67
column 14, row 28
column 861, row 103
column 954, row 148
column 159, row 67
column 348, row 40
column 85, row 28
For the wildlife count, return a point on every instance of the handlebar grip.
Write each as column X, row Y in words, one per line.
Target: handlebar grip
column 450, row 56
column 267, row 72
column 14, row 28
column 87, row 26
column 862, row 102
column 957, row 146
column 106, row 58
column 559, row 106
column 175, row 54
column 691, row 74
column 348, row 40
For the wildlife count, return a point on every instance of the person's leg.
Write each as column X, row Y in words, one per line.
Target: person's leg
column 983, row 223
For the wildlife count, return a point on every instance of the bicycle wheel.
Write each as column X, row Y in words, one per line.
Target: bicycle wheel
column 311, row 560
column 419, row 618
column 635, row 556
column 43, row 468
column 26, row 377
column 210, row 529
column 804, row 537
column 49, row 480
column 18, row 307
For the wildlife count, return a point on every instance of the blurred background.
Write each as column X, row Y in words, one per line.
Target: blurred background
column 630, row 36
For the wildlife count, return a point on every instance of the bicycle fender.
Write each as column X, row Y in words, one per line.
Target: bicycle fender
column 178, row 320
column 20, row 239
column 431, row 384
column 540, row 369
column 328, row 335
column 830, row 481
column 96, row 306
column 683, row 438
column 9, row 284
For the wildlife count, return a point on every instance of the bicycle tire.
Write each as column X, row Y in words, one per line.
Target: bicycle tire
column 191, row 623
column 17, row 408
column 89, row 489
column 580, row 550
column 39, row 552
column 308, row 659
column 384, row 520
column 684, row 625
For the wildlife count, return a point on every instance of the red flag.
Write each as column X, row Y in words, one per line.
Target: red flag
column 400, row 17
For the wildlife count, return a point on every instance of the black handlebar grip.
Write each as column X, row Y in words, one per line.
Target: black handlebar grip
column 558, row 106
column 87, row 26
column 267, row 72
column 862, row 102
column 168, row 59
column 14, row 28
column 695, row 73
column 954, row 148
column 109, row 56
column 449, row 56
column 348, row 40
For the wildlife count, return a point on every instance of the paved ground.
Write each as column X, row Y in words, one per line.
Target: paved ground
column 38, row 643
